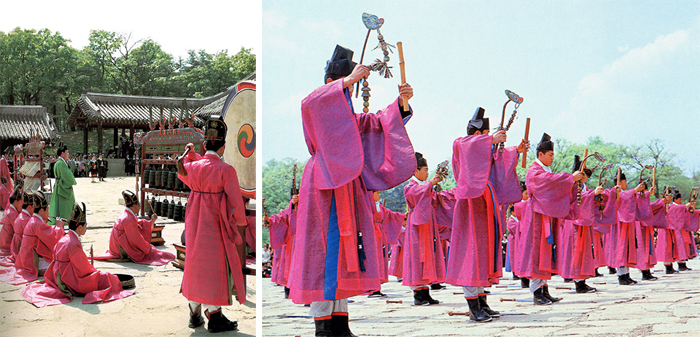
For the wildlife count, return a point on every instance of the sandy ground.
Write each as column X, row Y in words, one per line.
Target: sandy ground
column 156, row 308
column 669, row 306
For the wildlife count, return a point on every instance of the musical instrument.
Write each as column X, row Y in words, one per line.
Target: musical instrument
column 294, row 190
column 442, row 170
column 692, row 197
column 527, row 134
column 582, row 167
column 641, row 176
column 598, row 199
column 239, row 115
column 512, row 97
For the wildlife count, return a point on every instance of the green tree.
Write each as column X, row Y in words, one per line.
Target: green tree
column 277, row 183
column 209, row 74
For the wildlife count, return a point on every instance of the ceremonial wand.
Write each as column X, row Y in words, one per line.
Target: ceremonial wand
column 514, row 98
column 442, row 170
column 92, row 257
column 372, row 22
column 641, row 176
column 402, row 64
column 582, row 167
column 619, row 171
column 181, row 163
column 692, row 198
column 598, row 199
column 294, row 190
column 527, row 135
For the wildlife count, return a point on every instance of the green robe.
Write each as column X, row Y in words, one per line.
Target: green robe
column 63, row 198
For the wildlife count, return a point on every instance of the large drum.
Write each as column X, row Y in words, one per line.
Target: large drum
column 239, row 114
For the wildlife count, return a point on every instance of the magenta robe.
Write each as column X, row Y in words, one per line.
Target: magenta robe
column 575, row 254
column 77, row 274
column 552, row 199
column 351, row 154
column 8, row 219
column 214, row 210
column 37, row 237
column 387, row 223
column 477, row 225
column 513, row 234
column 18, row 227
column 424, row 260
column 602, row 226
column 282, row 234
column 4, row 197
column 646, row 255
column 631, row 207
column 5, row 172
column 396, row 262
column 133, row 235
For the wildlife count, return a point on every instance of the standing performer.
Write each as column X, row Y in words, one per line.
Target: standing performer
column 632, row 205
column 424, row 262
column 102, row 168
column 513, row 226
column 335, row 254
column 131, row 236
column 552, row 198
column 477, row 226
column 282, row 232
column 63, row 198
column 71, row 274
column 679, row 218
column 8, row 219
column 4, row 194
column 387, row 226
column 5, row 167
column 38, row 241
column 213, row 270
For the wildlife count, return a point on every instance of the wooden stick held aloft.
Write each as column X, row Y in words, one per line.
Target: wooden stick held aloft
column 402, row 64
column 527, row 134
column 181, row 163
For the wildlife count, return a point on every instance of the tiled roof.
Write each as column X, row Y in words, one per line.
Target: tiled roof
column 127, row 109
column 23, row 121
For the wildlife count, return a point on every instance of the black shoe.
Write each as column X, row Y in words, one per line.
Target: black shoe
column 539, row 299
column 525, row 282
column 630, row 279
column 545, row 292
column 219, row 323
column 582, row 287
column 196, row 317
column 323, row 327
column 475, row 312
column 670, row 270
column 340, row 327
column 485, row 307
column 376, row 294
column 515, row 277
column 426, row 295
column 647, row 276
column 418, row 298
column 612, row 271
column 683, row 267
column 622, row 279
column 286, row 293
column 437, row 286
column 568, row 280
column 597, row 274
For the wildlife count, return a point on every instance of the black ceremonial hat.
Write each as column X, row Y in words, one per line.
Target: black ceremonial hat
column 676, row 195
column 545, row 144
column 420, row 160
column 16, row 194
column 130, row 198
column 622, row 176
column 577, row 163
column 478, row 122
column 523, row 186
column 77, row 216
column 39, row 200
column 215, row 128
column 28, row 199
column 61, row 148
column 341, row 63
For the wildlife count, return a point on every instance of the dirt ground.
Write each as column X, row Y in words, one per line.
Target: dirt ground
column 156, row 309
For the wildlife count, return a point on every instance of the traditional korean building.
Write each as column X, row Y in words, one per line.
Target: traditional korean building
column 18, row 123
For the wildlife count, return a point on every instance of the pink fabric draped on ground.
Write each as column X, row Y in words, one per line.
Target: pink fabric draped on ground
column 351, row 154
column 552, row 199
column 133, row 235
column 72, row 272
column 477, row 224
column 39, row 238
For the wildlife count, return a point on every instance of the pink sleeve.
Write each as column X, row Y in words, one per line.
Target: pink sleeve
column 471, row 165
column 132, row 230
column 421, row 195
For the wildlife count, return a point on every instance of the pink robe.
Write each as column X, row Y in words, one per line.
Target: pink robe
column 71, row 265
column 691, row 226
column 4, row 197
column 424, row 260
column 646, row 255
column 602, row 226
column 387, row 223
column 5, row 172
column 37, row 237
column 396, row 261
column 133, row 235
column 351, row 154
column 214, row 210
column 513, row 234
column 575, row 253
column 631, row 207
column 8, row 219
column 282, row 233
column 552, row 198
column 484, row 177
column 250, row 232
column 18, row 226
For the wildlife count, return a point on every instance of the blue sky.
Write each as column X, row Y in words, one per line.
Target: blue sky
column 627, row 71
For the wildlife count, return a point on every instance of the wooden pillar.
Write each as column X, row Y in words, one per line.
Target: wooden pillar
column 116, row 135
column 85, row 138
column 99, row 138
column 131, row 132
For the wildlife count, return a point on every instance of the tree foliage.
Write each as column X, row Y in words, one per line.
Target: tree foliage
column 40, row 68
